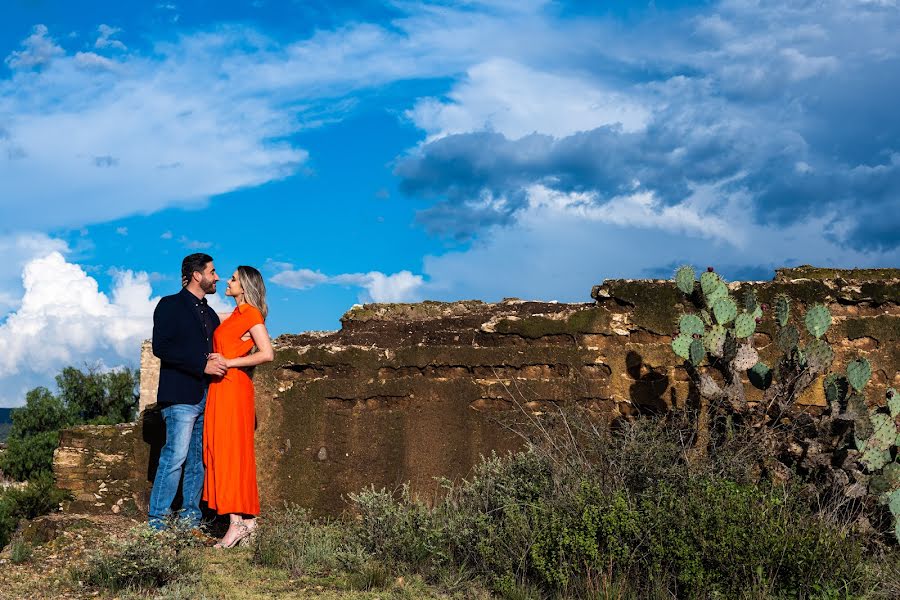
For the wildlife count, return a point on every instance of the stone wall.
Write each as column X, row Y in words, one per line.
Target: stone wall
column 410, row 392
column 99, row 465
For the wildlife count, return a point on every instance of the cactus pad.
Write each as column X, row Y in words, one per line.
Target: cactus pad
column 696, row 352
column 749, row 300
column 836, row 388
column 724, row 310
column 691, row 325
column 708, row 281
column 893, row 502
column 819, row 354
column 893, row 402
column 874, row 458
column 884, row 433
column 684, row 279
column 714, row 340
column 719, row 291
column 757, row 313
column 782, row 309
column 787, row 338
column 744, row 325
column 681, row 345
column 704, row 315
column 858, row 373
column 746, row 357
column 760, row 376
column 818, row 319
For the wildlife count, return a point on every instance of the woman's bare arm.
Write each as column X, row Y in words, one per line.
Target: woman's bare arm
column 260, row 336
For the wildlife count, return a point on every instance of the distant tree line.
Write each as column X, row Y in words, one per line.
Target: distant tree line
column 87, row 396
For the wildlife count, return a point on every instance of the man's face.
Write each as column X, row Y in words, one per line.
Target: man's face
column 208, row 279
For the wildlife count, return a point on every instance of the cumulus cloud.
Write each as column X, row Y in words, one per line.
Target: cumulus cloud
column 64, row 319
column 18, row 250
column 787, row 106
column 559, row 246
column 403, row 286
column 39, row 49
column 515, row 100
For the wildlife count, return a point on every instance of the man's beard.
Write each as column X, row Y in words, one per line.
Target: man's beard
column 208, row 285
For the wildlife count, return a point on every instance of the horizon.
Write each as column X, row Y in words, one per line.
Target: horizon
column 398, row 152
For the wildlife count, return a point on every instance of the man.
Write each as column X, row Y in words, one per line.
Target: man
column 183, row 326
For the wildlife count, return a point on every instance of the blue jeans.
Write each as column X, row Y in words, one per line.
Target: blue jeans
column 183, row 448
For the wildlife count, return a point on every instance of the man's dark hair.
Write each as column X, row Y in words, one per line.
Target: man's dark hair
column 193, row 262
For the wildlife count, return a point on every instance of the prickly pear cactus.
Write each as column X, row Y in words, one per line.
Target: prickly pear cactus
column 708, row 282
column 819, row 354
column 725, row 310
column 714, row 340
column 877, row 435
column 746, row 358
column 696, row 352
column 684, row 279
column 691, row 325
column 681, row 345
column 782, row 309
column 787, row 338
column 858, row 373
column 817, row 320
column 744, row 325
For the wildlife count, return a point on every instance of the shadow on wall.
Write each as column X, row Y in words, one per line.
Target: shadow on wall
column 649, row 387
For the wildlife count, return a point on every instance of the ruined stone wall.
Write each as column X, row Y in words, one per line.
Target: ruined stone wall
column 99, row 464
column 411, row 392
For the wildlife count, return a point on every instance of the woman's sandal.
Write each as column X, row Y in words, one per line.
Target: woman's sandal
column 242, row 538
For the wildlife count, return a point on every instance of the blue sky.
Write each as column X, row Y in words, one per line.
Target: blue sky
column 401, row 151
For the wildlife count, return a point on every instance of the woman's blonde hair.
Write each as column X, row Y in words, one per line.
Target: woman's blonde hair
column 254, row 288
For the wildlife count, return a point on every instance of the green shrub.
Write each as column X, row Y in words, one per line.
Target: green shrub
column 19, row 552
column 399, row 530
column 145, row 558
column 291, row 540
column 39, row 497
column 621, row 512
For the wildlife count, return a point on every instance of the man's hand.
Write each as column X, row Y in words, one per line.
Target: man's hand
column 215, row 365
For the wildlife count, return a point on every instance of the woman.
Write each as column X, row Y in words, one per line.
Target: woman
column 229, row 485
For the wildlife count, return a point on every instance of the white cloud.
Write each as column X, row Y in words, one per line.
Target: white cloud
column 513, row 99
column 105, row 39
column 64, row 319
column 377, row 287
column 298, row 279
column 122, row 230
column 39, row 50
column 17, row 250
column 556, row 249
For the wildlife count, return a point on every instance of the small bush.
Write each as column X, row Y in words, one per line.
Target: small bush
column 290, row 539
column 146, row 558
column 37, row 498
column 19, row 552
column 399, row 530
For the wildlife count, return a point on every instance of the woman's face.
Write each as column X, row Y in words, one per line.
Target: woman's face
column 234, row 287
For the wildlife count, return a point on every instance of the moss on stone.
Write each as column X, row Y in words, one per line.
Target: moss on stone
column 884, row 328
column 589, row 320
column 881, row 292
column 657, row 305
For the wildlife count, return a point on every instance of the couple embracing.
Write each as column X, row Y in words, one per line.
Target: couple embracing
column 206, row 397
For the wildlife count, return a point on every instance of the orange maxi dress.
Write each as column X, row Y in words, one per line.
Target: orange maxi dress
column 229, row 485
